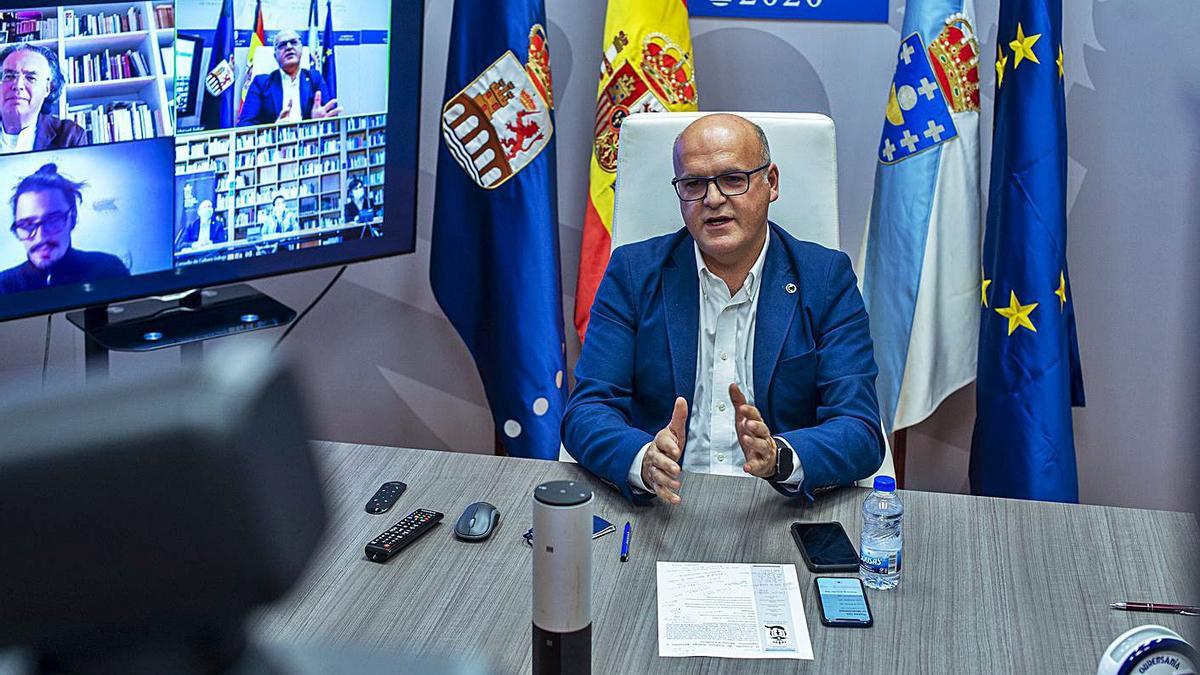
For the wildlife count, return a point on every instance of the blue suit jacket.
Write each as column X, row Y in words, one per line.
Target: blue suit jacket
column 814, row 370
column 264, row 98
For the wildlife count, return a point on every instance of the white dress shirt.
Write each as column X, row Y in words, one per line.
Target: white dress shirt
column 724, row 354
column 204, row 234
column 18, row 142
column 291, row 92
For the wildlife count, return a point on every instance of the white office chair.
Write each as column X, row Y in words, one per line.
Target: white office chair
column 804, row 147
column 802, row 144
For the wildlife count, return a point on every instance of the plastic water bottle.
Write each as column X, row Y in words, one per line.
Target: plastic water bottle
column 882, row 543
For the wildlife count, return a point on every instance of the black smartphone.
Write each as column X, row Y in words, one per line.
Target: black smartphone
column 825, row 547
column 843, row 602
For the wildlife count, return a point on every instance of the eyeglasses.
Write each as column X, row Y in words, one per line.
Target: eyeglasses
column 287, row 43
column 51, row 223
column 10, row 76
column 731, row 184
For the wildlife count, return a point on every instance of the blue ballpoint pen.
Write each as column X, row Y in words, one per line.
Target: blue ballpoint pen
column 625, row 544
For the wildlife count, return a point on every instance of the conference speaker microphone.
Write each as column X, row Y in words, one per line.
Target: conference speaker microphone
column 562, row 578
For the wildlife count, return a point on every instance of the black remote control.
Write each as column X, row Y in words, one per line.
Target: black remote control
column 387, row 495
column 382, row 548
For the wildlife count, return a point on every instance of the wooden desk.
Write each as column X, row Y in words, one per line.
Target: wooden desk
column 990, row 586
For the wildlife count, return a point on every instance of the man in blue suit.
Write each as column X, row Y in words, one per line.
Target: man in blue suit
column 763, row 337
column 289, row 94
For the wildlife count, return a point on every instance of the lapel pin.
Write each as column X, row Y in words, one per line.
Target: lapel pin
column 790, row 288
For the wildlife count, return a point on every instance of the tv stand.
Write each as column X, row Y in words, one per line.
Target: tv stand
column 183, row 320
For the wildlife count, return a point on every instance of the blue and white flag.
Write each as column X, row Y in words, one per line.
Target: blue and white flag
column 920, row 258
column 495, row 261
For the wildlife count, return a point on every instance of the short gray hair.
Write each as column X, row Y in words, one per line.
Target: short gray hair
column 765, row 147
column 285, row 32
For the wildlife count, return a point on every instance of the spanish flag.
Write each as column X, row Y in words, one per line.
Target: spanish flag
column 646, row 66
column 257, row 39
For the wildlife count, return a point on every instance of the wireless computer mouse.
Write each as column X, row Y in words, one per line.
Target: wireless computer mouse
column 477, row 522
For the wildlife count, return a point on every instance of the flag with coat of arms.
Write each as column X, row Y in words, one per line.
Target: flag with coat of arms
column 494, row 265
column 217, row 106
column 258, row 38
column 1023, row 445
column 920, row 257
column 646, row 66
column 320, row 47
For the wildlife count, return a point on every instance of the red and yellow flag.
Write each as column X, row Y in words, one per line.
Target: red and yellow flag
column 257, row 39
column 646, row 67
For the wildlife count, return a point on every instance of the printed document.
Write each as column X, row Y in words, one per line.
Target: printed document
column 737, row 611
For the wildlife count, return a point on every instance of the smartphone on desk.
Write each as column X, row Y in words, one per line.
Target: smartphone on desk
column 825, row 547
column 843, row 602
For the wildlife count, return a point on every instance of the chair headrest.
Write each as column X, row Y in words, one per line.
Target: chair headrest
column 803, row 145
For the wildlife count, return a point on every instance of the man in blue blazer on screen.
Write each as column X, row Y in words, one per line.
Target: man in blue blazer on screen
column 761, row 337
column 289, row 94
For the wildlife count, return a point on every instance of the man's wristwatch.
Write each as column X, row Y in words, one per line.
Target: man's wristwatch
column 785, row 461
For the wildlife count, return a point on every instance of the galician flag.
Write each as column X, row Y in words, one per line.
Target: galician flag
column 316, row 55
column 646, row 66
column 920, row 258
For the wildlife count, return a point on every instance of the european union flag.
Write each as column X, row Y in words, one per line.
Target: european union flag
column 329, row 62
column 495, row 265
column 1029, row 375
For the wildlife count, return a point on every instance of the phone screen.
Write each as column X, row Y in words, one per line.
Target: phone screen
column 843, row 601
column 826, row 544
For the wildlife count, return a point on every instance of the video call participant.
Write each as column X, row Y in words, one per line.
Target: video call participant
column 207, row 228
column 279, row 219
column 358, row 209
column 30, row 84
column 766, row 337
column 289, row 94
column 45, row 213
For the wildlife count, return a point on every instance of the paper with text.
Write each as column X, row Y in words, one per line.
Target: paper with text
column 740, row 611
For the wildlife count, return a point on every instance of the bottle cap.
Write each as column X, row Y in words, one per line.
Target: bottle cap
column 885, row 484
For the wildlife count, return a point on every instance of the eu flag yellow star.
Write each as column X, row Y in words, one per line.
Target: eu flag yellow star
column 1061, row 291
column 1023, row 46
column 1017, row 314
column 983, row 291
column 1001, row 62
column 1060, row 61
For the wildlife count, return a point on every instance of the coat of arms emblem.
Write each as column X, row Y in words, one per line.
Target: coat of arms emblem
column 501, row 121
column 666, row 79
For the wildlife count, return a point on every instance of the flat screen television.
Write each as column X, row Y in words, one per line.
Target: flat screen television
column 281, row 136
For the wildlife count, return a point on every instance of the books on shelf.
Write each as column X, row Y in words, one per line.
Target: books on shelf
column 166, row 56
column 18, row 27
column 116, row 121
column 104, row 66
column 102, row 24
column 164, row 16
